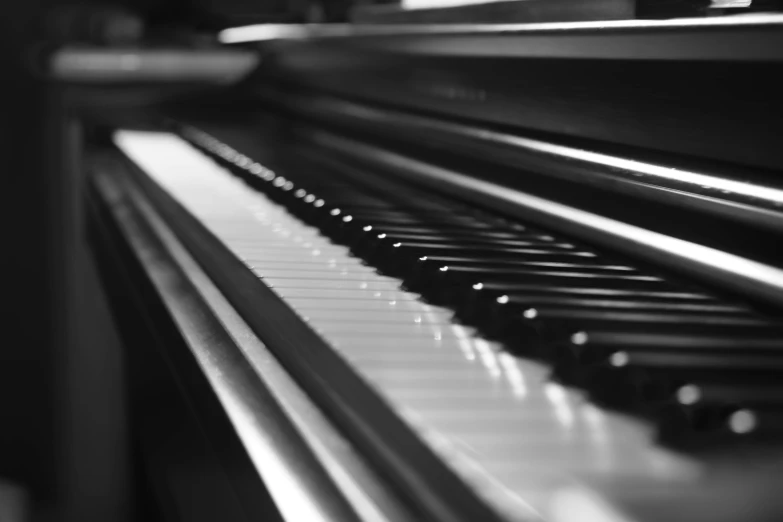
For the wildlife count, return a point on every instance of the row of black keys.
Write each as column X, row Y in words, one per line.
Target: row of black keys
column 706, row 370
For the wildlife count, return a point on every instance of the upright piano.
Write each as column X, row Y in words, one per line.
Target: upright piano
column 456, row 273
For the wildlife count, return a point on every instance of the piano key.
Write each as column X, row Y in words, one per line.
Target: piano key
column 574, row 339
column 398, row 331
column 474, row 242
column 305, row 252
column 404, row 260
column 709, row 404
column 348, row 294
column 476, row 238
column 463, row 277
column 457, row 232
column 453, row 278
column 343, row 273
column 433, row 261
column 746, row 490
column 700, row 428
column 623, row 321
column 493, row 290
column 372, row 248
column 721, row 392
column 312, row 283
column 421, row 220
column 422, row 248
column 333, row 264
column 756, row 423
column 766, row 339
column 696, row 355
column 533, row 306
column 382, row 311
column 486, row 303
column 632, row 378
column 416, row 314
column 471, row 273
column 306, row 304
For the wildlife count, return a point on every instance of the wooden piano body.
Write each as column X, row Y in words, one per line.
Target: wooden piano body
column 456, row 273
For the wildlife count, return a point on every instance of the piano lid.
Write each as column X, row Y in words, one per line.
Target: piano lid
column 753, row 38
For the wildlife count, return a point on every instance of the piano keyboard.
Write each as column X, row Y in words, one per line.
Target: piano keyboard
column 512, row 353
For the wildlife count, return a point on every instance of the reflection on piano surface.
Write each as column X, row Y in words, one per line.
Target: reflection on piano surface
column 500, row 287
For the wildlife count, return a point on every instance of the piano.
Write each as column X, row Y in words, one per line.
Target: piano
column 455, row 273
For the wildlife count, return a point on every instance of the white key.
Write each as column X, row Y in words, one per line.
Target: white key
column 496, row 419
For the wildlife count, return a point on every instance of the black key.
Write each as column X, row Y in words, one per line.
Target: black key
column 491, row 296
column 476, row 238
column 485, row 303
column 722, row 390
column 535, row 306
column 572, row 352
column 469, row 275
column 454, row 231
column 380, row 218
column 382, row 244
column 587, row 263
column 757, row 336
column 425, row 267
column 540, row 307
column 705, row 427
column 465, row 273
column 647, row 322
column 416, row 249
column 644, row 382
column 644, row 375
column 505, row 293
column 402, row 256
column 757, row 424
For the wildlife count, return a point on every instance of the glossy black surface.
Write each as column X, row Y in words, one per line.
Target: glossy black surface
column 701, row 88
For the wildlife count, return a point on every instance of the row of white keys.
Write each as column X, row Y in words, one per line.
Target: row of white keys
column 496, row 419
